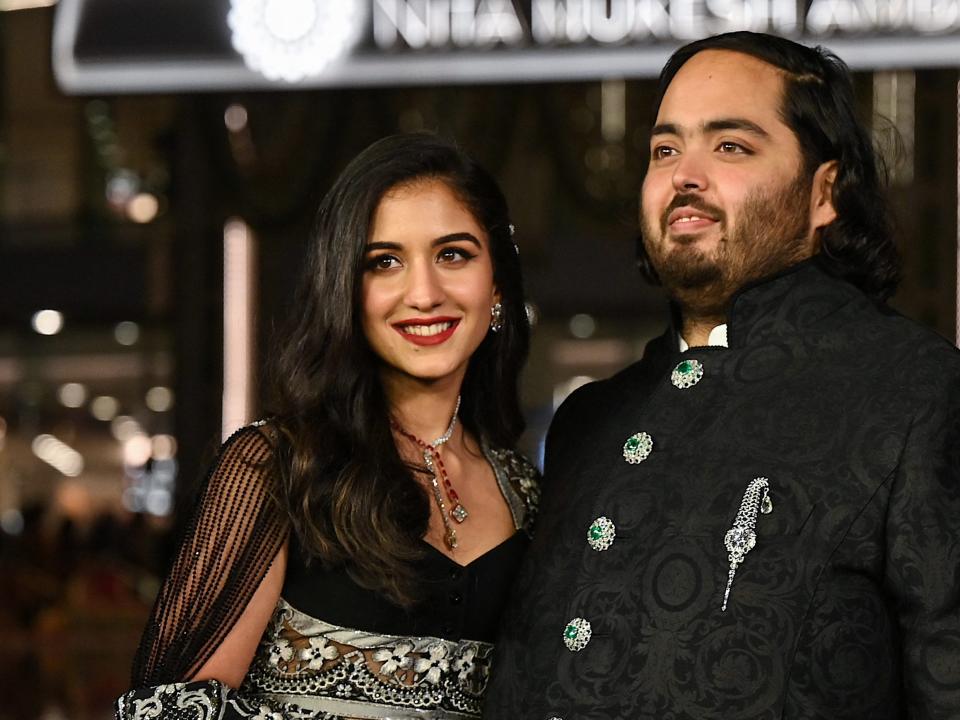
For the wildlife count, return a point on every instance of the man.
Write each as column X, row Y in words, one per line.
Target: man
column 761, row 518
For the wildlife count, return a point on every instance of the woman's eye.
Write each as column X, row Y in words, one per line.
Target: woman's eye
column 383, row 262
column 453, row 254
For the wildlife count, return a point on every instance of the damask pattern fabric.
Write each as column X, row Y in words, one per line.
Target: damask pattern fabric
column 846, row 601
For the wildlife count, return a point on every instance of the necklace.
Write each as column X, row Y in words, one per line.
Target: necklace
column 438, row 476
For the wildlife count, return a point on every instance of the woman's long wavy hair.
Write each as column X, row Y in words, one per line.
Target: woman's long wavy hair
column 820, row 107
column 351, row 499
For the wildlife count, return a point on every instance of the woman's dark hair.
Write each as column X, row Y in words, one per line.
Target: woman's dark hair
column 351, row 499
column 819, row 106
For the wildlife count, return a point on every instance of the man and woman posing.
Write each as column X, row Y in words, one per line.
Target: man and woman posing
column 757, row 520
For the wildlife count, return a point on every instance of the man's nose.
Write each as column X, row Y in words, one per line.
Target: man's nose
column 690, row 173
column 424, row 290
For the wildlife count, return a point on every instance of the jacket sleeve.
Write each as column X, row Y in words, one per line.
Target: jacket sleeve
column 236, row 529
column 923, row 556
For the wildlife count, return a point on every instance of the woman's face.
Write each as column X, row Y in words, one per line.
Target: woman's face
column 427, row 283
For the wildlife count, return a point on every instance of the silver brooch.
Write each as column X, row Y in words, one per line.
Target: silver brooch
column 742, row 537
column 637, row 448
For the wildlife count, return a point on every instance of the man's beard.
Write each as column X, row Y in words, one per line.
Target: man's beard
column 770, row 235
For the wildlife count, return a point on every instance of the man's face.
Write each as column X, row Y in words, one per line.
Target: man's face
column 725, row 199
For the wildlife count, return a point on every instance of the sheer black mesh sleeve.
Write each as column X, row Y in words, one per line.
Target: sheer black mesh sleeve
column 235, row 531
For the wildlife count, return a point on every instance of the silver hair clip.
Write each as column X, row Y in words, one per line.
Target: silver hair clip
column 742, row 537
column 513, row 231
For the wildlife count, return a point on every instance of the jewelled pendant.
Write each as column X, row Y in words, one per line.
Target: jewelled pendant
column 601, row 533
column 686, row 374
column 637, row 448
column 451, row 539
column 577, row 634
column 459, row 513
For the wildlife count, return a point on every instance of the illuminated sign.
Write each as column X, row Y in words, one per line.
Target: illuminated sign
column 256, row 44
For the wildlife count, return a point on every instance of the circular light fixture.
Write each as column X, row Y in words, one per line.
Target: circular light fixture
column 126, row 333
column 235, row 117
column 72, row 395
column 582, row 326
column 159, row 399
column 47, row 322
column 143, row 208
column 104, row 407
column 293, row 39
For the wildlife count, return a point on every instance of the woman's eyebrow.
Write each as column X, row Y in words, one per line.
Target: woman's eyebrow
column 457, row 237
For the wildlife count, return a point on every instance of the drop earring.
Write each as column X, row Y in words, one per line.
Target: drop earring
column 496, row 317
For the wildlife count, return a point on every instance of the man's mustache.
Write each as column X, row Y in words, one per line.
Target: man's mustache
column 693, row 201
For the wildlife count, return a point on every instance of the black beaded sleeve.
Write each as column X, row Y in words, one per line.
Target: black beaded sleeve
column 236, row 529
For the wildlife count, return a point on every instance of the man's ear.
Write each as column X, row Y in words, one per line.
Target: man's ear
column 822, row 210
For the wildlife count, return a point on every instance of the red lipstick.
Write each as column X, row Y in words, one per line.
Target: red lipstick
column 406, row 327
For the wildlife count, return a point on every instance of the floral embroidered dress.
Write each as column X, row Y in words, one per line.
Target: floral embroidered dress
column 333, row 650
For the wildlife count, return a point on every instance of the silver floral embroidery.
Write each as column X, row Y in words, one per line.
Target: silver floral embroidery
column 434, row 664
column 394, row 658
column 281, row 651
column 329, row 661
column 265, row 713
column 319, row 651
column 464, row 663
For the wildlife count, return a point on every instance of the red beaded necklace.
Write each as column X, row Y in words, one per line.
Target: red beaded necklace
column 438, row 476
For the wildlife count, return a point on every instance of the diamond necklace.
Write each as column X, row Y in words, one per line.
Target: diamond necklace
column 438, row 476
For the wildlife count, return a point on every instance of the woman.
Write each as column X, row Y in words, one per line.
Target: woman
column 349, row 557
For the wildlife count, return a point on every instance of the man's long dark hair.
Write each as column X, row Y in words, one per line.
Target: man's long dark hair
column 351, row 499
column 819, row 106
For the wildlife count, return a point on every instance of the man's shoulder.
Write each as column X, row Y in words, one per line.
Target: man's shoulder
column 902, row 338
column 905, row 356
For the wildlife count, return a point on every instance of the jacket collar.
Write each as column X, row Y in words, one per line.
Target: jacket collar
column 783, row 304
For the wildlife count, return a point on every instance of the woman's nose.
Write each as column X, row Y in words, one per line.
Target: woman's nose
column 424, row 290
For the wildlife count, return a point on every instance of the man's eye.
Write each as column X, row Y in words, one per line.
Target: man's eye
column 732, row 147
column 663, row 151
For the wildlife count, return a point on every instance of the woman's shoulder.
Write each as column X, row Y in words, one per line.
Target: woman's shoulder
column 252, row 441
column 245, row 462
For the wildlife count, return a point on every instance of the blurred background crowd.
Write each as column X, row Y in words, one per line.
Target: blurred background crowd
column 149, row 236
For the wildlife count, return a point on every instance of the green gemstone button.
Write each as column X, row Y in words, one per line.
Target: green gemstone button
column 570, row 632
column 686, row 374
column 637, row 447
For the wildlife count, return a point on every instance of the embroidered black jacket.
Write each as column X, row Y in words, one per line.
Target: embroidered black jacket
column 848, row 606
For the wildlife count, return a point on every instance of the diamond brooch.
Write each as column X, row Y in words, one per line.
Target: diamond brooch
column 742, row 537
column 637, row 448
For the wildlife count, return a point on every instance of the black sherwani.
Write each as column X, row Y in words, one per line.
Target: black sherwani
column 848, row 606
